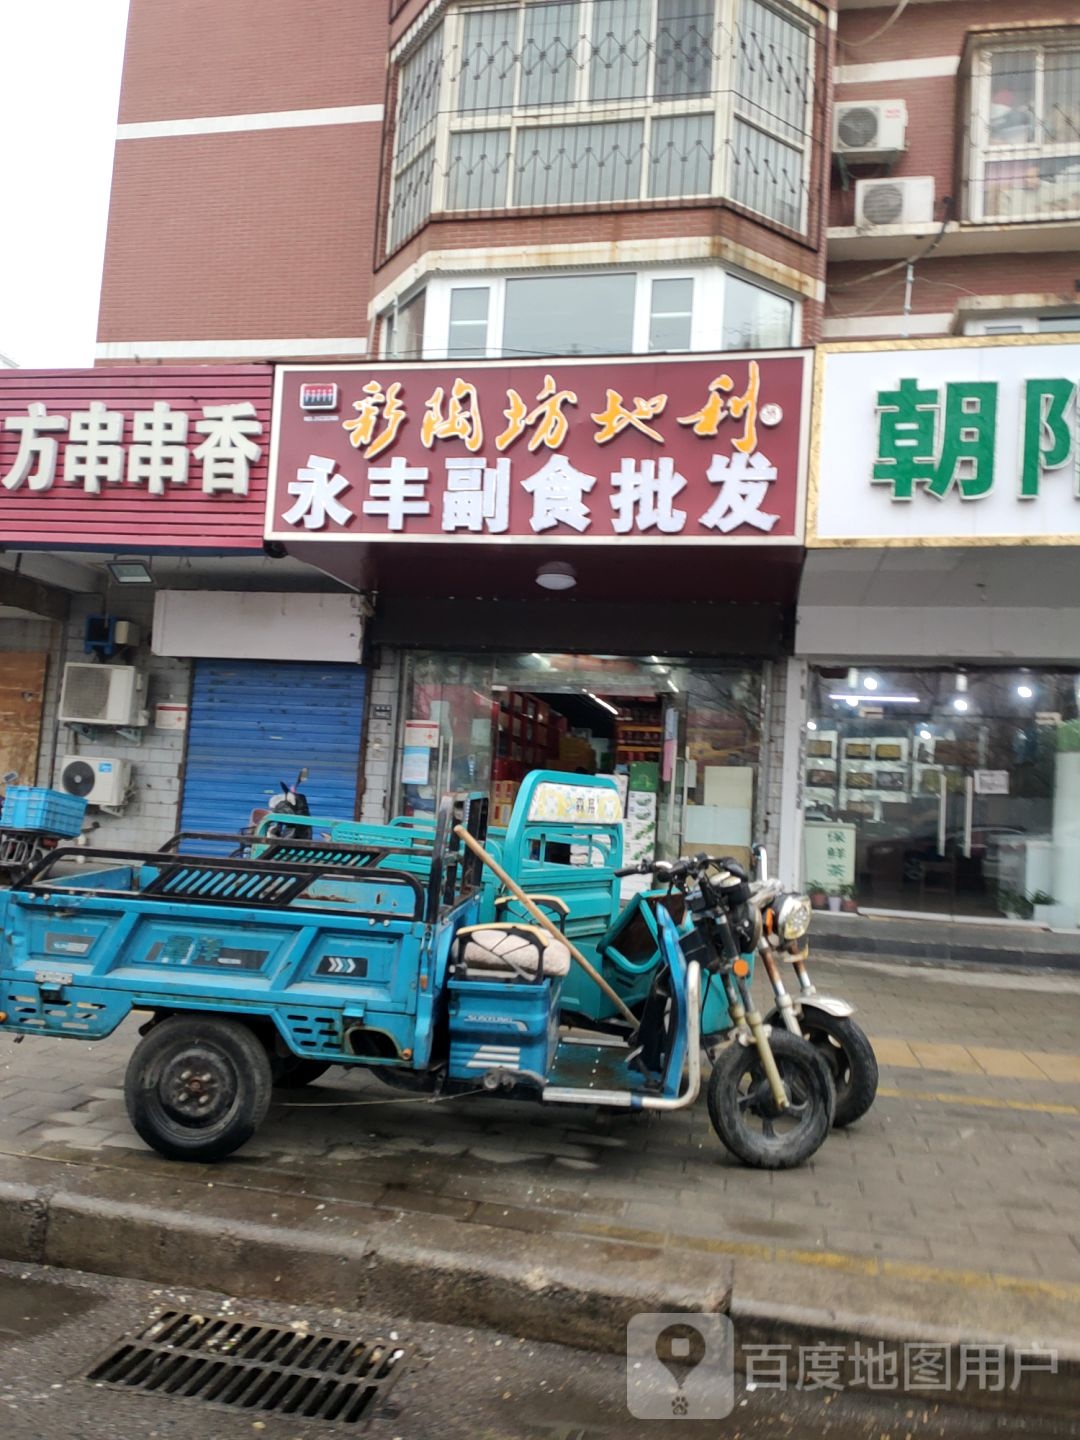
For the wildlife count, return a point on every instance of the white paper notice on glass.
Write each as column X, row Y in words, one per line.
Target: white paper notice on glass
column 415, row 765
column 991, row 782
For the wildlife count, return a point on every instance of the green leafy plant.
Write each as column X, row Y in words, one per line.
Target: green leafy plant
column 816, row 887
column 1040, row 897
column 848, row 892
column 1013, row 902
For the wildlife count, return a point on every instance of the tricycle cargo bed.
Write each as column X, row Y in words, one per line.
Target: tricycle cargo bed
column 332, row 956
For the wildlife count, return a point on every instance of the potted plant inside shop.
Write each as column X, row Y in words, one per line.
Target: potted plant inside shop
column 1043, row 908
column 819, row 895
column 1013, row 903
column 848, row 902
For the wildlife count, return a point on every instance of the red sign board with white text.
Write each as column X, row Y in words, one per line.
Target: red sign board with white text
column 142, row 458
column 698, row 450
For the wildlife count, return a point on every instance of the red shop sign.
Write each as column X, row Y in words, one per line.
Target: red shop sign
column 694, row 450
column 135, row 457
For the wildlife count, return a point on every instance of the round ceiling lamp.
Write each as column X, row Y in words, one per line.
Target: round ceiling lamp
column 556, row 575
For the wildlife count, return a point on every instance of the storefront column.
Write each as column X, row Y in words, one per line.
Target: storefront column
column 380, row 750
column 789, row 825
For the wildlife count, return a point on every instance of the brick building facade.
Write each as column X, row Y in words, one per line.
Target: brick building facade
column 985, row 172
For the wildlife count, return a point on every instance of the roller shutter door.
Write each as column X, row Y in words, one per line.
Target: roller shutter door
column 255, row 723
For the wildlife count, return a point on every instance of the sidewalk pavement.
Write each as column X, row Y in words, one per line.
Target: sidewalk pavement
column 949, row 1209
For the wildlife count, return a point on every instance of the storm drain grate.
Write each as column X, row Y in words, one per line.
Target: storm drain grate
column 264, row 1369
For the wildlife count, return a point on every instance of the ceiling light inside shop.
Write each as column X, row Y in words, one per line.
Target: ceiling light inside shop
column 811, row 724
column 130, row 572
column 854, row 700
column 599, row 701
column 960, row 704
column 925, row 734
column 1025, row 692
column 870, row 683
column 556, row 575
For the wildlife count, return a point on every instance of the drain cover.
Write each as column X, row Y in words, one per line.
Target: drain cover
column 265, row 1369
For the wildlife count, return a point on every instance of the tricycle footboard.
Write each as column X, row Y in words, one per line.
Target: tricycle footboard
column 82, row 1012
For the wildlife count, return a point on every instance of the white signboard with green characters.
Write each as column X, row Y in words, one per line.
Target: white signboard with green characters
column 945, row 442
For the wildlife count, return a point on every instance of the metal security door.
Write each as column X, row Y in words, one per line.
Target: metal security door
column 255, row 723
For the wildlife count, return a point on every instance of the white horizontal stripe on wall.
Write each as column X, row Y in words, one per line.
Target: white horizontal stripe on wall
column 861, row 327
column 930, row 67
column 226, row 349
column 266, row 120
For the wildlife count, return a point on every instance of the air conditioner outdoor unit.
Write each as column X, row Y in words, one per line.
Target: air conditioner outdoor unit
column 870, row 130
column 102, row 695
column 909, row 201
column 96, row 780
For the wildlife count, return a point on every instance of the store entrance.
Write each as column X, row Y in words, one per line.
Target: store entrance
column 682, row 740
column 940, row 791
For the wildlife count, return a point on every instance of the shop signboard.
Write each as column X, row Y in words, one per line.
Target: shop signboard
column 135, row 457
column 947, row 442
column 699, row 450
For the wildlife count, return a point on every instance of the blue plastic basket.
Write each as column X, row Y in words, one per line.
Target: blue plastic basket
column 30, row 807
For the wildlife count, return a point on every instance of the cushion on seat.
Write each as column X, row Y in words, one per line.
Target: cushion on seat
column 512, row 949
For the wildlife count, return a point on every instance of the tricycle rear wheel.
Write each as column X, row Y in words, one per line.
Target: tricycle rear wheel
column 745, row 1116
column 198, row 1088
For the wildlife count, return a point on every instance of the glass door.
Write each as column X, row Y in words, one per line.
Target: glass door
column 937, row 791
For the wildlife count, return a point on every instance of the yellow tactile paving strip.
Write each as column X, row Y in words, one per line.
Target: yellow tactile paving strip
column 998, row 1064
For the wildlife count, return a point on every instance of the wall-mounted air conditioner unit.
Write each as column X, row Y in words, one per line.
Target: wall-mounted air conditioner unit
column 869, row 131
column 102, row 695
column 97, row 780
column 907, row 201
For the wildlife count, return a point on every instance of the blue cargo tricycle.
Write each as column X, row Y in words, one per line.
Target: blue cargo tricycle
column 267, row 968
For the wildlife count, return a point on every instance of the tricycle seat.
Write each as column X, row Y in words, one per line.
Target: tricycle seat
column 510, row 951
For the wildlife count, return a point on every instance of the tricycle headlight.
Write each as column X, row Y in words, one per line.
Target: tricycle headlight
column 793, row 917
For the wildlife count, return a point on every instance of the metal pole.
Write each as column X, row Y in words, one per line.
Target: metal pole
column 541, row 919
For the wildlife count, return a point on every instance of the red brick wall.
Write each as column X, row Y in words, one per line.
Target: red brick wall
column 261, row 234
column 257, row 234
column 943, row 284
column 232, row 57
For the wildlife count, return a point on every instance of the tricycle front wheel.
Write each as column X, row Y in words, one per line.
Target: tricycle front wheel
column 745, row 1116
column 843, row 1045
column 196, row 1088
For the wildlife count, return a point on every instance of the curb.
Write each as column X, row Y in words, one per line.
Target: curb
column 920, row 952
column 433, row 1270
column 1039, row 1393
column 425, row 1267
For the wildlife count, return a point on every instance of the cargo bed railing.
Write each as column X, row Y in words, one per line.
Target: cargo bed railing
column 263, row 884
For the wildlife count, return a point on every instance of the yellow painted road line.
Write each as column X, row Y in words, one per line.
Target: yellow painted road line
column 994, row 1061
column 985, row 1102
column 845, row 1262
column 956, row 1059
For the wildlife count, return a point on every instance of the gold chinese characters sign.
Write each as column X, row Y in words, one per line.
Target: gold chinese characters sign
column 700, row 450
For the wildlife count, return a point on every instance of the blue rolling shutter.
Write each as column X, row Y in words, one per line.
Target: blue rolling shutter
column 254, row 723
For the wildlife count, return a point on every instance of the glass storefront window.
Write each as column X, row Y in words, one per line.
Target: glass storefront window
column 684, row 739
column 945, row 791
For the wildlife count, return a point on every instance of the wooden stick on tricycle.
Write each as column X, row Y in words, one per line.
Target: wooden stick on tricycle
column 544, row 920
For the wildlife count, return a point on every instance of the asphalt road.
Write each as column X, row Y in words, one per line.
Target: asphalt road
column 456, row 1384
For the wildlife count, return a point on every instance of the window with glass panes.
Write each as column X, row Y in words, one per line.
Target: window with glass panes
column 591, row 102
column 1023, row 154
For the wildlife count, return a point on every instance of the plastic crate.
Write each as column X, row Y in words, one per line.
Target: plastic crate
column 51, row 812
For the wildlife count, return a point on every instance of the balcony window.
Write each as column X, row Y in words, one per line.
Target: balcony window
column 1024, row 132
column 608, row 312
column 755, row 318
column 569, row 315
column 594, row 102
